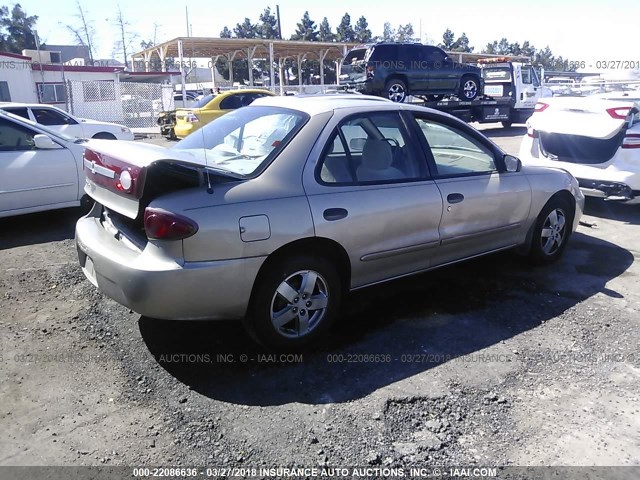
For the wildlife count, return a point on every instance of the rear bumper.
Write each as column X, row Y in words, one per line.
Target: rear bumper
column 613, row 191
column 155, row 285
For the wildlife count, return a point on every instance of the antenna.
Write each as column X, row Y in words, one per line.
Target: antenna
column 206, row 164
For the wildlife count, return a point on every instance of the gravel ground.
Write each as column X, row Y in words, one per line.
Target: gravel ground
column 487, row 363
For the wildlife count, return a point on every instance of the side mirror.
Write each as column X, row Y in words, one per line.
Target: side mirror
column 511, row 164
column 44, row 142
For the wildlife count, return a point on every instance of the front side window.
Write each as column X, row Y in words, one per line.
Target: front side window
column 14, row 137
column 434, row 54
column 244, row 141
column 369, row 148
column 47, row 116
column 455, row 152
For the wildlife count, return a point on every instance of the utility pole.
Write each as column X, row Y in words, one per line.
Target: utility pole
column 278, row 17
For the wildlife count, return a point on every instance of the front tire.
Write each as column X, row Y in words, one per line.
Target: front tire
column 295, row 302
column 396, row 90
column 551, row 232
column 469, row 88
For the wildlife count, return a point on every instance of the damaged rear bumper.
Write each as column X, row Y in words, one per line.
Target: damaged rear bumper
column 612, row 191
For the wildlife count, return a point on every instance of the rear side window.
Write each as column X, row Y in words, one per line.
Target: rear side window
column 369, row 148
column 231, row 103
column 384, row 52
column 21, row 112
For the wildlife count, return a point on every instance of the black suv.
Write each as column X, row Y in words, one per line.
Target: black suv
column 395, row 70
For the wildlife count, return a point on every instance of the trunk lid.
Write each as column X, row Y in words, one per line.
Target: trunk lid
column 125, row 176
column 580, row 129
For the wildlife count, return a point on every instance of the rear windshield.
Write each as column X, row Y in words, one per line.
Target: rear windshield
column 244, row 141
column 354, row 56
column 500, row 73
column 204, row 100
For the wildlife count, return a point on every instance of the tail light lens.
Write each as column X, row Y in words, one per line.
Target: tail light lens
column 541, row 107
column 620, row 113
column 192, row 118
column 631, row 140
column 162, row 225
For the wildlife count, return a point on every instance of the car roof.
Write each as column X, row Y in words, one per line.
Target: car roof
column 320, row 103
column 19, row 104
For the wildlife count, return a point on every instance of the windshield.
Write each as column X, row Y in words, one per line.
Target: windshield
column 354, row 56
column 203, row 101
column 243, row 141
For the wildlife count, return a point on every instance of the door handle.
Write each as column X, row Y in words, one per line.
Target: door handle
column 455, row 198
column 332, row 214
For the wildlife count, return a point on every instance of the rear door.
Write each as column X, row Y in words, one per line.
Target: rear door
column 485, row 208
column 30, row 177
column 369, row 190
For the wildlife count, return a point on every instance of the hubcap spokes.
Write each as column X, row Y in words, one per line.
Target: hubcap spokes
column 553, row 232
column 396, row 93
column 299, row 303
column 469, row 89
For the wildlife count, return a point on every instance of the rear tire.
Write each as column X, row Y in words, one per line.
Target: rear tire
column 295, row 302
column 469, row 88
column 551, row 232
column 396, row 90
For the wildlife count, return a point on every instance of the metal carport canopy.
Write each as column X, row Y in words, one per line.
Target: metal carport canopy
column 249, row 48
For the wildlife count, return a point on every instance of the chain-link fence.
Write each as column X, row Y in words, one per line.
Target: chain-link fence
column 135, row 105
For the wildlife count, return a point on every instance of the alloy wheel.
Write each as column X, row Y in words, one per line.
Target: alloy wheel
column 553, row 231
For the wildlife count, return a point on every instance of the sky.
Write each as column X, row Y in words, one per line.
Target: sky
column 576, row 30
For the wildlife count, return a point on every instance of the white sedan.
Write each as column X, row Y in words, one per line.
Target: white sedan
column 39, row 168
column 62, row 122
column 595, row 139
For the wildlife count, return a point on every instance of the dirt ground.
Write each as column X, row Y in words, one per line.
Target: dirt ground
column 488, row 363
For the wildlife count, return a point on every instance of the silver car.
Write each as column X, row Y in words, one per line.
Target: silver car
column 271, row 213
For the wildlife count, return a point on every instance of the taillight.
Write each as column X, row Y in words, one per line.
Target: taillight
column 540, row 107
column 631, row 140
column 619, row 112
column 191, row 117
column 162, row 225
column 113, row 174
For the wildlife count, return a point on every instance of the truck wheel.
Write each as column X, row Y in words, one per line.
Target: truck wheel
column 396, row 90
column 469, row 88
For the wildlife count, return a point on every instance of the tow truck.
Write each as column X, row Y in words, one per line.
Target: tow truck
column 511, row 90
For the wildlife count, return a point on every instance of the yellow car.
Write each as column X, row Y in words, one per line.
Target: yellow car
column 211, row 107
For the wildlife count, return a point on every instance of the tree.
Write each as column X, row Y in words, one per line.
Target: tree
column 363, row 34
column 268, row 26
column 462, row 44
column 405, row 33
column 447, row 40
column 84, row 32
column 325, row 34
column 125, row 36
column 246, row 29
column 306, row 29
column 388, row 33
column 345, row 32
column 225, row 33
column 19, row 27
